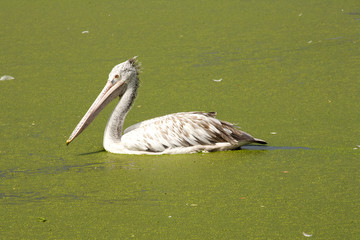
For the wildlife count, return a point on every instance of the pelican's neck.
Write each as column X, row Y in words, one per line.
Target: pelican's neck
column 113, row 130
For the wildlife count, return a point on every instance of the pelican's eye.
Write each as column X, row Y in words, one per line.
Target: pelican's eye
column 115, row 78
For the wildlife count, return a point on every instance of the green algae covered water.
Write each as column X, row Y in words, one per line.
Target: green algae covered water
column 286, row 71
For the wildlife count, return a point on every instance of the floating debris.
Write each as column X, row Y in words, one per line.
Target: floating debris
column 191, row 205
column 309, row 41
column 217, row 80
column 6, row 77
column 41, row 219
column 300, row 14
column 83, row 32
column 273, row 133
column 306, row 234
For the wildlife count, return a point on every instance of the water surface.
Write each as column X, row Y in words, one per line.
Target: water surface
column 289, row 75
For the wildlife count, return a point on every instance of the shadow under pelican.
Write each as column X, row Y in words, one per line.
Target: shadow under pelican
column 259, row 147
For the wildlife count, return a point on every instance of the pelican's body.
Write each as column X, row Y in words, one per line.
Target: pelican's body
column 184, row 132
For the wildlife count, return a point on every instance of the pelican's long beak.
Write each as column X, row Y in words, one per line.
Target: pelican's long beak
column 109, row 93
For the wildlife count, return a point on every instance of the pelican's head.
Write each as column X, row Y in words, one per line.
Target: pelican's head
column 121, row 77
column 125, row 71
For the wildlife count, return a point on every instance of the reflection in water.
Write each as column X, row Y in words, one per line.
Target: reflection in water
column 258, row 147
column 246, row 147
column 94, row 152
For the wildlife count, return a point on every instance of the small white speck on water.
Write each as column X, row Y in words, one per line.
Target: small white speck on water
column 169, row 216
column 309, row 41
column 306, row 234
column 6, row 77
column 83, row 32
column 273, row 133
column 217, row 80
column 300, row 14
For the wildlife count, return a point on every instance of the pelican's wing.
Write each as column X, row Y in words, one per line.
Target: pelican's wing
column 181, row 130
column 168, row 119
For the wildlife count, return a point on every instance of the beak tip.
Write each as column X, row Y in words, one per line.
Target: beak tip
column 68, row 142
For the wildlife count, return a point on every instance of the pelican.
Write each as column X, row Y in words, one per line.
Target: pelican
column 177, row 133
